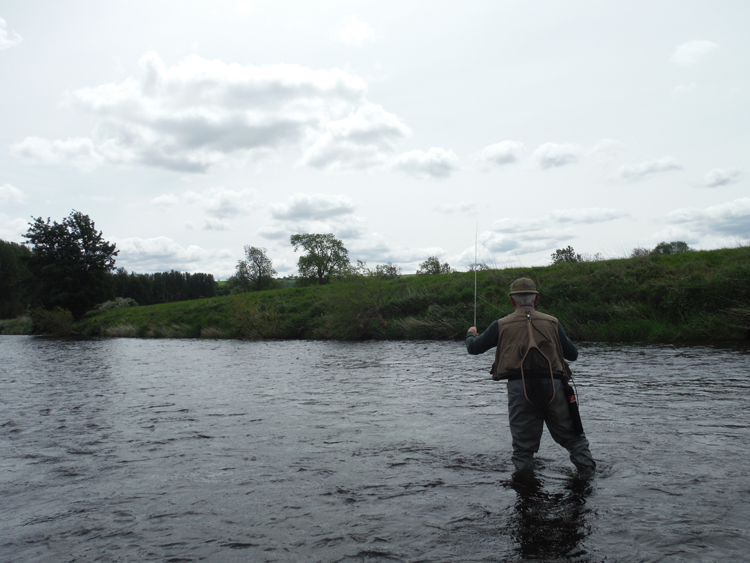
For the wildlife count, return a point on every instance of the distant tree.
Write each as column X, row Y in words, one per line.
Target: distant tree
column 70, row 264
column 14, row 275
column 565, row 255
column 639, row 252
column 674, row 247
column 326, row 256
column 256, row 270
column 388, row 271
column 432, row 266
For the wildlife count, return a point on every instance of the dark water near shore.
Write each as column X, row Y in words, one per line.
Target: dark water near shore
column 177, row 450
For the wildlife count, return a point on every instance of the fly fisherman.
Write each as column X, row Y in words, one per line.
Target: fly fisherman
column 529, row 354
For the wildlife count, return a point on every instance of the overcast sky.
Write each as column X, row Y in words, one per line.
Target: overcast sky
column 187, row 130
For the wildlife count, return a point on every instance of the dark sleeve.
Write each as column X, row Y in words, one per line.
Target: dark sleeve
column 480, row 344
column 570, row 352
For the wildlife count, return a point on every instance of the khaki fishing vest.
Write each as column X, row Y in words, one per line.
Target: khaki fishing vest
column 514, row 340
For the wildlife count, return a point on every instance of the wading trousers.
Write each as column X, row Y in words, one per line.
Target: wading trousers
column 527, row 423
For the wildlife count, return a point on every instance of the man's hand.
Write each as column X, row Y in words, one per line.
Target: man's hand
column 473, row 330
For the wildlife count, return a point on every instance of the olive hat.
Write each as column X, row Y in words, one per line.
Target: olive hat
column 523, row 285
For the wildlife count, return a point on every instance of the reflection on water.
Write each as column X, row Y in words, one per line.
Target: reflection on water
column 548, row 525
column 134, row 450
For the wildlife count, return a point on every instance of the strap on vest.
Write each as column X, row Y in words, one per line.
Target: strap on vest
column 533, row 344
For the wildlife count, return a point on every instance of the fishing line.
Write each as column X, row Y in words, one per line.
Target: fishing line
column 476, row 238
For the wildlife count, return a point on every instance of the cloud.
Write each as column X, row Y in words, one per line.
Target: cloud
column 8, row 38
column 554, row 155
column 165, row 200
column 525, row 236
column 726, row 219
column 360, row 141
column 160, row 254
column 212, row 224
column 435, row 163
column 647, row 168
column 222, row 203
column 692, row 52
column 202, row 113
column 10, row 194
column 319, row 213
column 13, row 229
column 312, row 207
column 244, row 7
column 504, row 152
column 354, row 32
column 75, row 151
column 461, row 207
column 606, row 147
column 719, row 177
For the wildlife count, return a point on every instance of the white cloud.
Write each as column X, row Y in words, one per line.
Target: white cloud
column 719, row 177
column 435, row 163
column 354, row 32
column 461, row 207
column 13, row 229
column 344, row 227
column 222, row 203
column 212, row 224
column 692, row 52
column 726, row 219
column 586, row 215
column 10, row 194
column 8, row 38
column 554, row 155
column 606, row 148
column 159, row 254
column 504, row 152
column 312, row 207
column 165, row 200
column 647, row 168
column 75, row 151
column 201, row 113
column 359, row 141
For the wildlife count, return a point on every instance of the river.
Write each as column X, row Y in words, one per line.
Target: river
column 198, row 450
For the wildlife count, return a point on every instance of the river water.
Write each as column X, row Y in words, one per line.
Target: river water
column 195, row 450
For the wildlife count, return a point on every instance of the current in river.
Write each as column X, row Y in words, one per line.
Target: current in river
column 197, row 450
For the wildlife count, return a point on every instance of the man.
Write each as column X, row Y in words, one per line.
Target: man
column 530, row 350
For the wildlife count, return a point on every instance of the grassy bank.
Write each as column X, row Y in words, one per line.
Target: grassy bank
column 691, row 297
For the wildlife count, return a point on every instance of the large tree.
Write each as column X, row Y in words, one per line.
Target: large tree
column 13, row 279
column 432, row 266
column 70, row 263
column 256, row 270
column 326, row 256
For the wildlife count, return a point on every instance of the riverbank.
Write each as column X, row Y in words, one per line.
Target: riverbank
column 700, row 297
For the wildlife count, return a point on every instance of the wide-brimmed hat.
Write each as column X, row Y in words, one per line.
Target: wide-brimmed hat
column 523, row 285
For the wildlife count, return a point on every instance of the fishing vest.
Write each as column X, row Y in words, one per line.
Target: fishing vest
column 513, row 343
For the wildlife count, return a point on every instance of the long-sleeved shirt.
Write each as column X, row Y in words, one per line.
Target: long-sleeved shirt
column 488, row 339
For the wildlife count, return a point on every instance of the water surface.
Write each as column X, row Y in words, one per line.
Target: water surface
column 188, row 450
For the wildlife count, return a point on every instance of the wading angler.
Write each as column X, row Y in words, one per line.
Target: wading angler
column 531, row 349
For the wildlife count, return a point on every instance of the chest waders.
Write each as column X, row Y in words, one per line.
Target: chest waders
column 534, row 359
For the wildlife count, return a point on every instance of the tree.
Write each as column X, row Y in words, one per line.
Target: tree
column 432, row 266
column 256, row 270
column 639, row 252
column 13, row 279
column 565, row 256
column 326, row 256
column 388, row 271
column 674, row 247
column 70, row 264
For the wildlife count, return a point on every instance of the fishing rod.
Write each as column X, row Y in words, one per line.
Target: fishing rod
column 476, row 238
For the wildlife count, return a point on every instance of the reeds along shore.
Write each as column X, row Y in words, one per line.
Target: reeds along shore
column 695, row 297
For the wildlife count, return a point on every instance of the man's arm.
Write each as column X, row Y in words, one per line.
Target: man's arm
column 570, row 352
column 480, row 344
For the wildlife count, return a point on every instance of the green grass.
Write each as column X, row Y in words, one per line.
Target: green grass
column 701, row 297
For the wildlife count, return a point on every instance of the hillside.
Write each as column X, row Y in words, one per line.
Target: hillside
column 699, row 297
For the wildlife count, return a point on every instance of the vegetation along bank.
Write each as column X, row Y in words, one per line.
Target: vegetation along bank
column 694, row 297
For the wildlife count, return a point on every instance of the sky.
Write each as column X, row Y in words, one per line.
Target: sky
column 188, row 130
